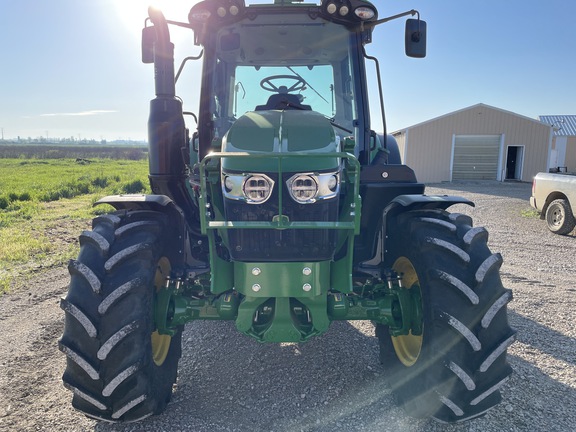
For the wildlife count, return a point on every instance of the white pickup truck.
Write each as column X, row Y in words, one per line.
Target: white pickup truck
column 554, row 196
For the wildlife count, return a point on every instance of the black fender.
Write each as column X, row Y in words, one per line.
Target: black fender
column 159, row 203
column 415, row 202
column 137, row 201
column 405, row 203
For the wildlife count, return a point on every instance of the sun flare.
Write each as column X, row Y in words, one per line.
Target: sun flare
column 133, row 13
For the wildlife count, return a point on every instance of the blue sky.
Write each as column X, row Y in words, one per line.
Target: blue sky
column 72, row 68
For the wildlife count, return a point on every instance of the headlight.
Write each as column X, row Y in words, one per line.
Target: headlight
column 310, row 187
column 257, row 188
column 348, row 12
column 303, row 188
column 221, row 11
column 215, row 12
column 252, row 188
column 364, row 12
column 199, row 15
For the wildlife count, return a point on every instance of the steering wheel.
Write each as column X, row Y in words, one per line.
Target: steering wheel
column 268, row 85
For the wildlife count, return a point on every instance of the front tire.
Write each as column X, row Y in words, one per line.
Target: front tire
column 118, row 367
column 453, row 370
column 559, row 217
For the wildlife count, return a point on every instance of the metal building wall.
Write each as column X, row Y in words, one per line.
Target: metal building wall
column 401, row 140
column 571, row 154
column 428, row 148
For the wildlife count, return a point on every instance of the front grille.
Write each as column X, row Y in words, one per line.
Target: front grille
column 287, row 244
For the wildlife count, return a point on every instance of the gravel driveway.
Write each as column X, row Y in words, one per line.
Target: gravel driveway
column 228, row 382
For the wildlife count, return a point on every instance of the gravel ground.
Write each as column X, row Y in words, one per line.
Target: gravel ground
column 228, row 382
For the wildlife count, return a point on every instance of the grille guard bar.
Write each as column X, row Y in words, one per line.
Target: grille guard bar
column 349, row 218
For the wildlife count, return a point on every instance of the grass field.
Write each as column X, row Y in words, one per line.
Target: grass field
column 39, row 196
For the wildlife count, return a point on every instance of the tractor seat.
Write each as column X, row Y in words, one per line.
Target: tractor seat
column 283, row 101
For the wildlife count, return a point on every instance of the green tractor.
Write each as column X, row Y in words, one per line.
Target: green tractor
column 283, row 212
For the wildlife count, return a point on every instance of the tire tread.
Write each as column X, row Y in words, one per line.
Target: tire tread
column 108, row 320
column 462, row 365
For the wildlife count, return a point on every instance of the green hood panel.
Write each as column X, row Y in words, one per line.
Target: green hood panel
column 281, row 132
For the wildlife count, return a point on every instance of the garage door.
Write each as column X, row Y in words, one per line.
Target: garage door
column 476, row 157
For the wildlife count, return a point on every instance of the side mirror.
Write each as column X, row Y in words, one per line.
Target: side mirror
column 415, row 38
column 148, row 39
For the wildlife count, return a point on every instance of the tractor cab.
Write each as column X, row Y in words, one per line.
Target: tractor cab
column 288, row 56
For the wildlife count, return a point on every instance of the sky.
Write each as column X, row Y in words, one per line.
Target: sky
column 72, row 68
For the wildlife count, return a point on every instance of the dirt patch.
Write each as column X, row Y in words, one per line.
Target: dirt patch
column 30, row 363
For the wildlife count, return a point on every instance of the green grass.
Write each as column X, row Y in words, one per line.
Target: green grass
column 24, row 184
column 40, row 197
column 530, row 213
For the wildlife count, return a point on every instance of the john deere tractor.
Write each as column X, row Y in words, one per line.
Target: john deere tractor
column 282, row 211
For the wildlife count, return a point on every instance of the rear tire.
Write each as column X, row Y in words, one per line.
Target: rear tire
column 559, row 217
column 454, row 370
column 118, row 368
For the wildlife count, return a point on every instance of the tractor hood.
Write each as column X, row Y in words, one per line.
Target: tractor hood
column 283, row 132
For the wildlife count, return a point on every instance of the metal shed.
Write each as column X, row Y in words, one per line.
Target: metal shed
column 562, row 152
column 480, row 142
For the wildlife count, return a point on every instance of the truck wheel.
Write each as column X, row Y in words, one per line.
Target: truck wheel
column 118, row 367
column 559, row 217
column 452, row 371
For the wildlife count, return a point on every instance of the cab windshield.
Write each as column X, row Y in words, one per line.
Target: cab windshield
column 311, row 88
column 302, row 63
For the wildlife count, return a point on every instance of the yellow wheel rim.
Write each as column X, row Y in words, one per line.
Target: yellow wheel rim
column 407, row 347
column 160, row 343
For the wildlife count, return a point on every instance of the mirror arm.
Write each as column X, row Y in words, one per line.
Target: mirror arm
column 391, row 18
column 179, row 24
